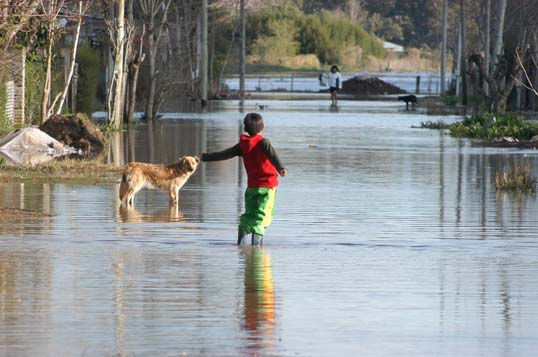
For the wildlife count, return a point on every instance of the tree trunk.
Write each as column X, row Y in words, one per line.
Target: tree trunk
column 204, row 54
column 242, row 53
column 73, row 60
column 443, row 47
column 499, row 30
column 151, row 78
column 45, row 98
column 117, row 109
column 487, row 41
column 463, row 56
column 499, row 104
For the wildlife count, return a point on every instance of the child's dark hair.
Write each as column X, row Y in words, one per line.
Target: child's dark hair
column 253, row 123
column 335, row 67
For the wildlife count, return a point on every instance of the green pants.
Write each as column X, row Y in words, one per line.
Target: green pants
column 259, row 208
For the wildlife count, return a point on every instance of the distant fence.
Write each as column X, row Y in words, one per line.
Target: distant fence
column 420, row 83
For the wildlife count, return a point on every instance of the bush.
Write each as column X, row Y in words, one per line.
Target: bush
column 325, row 35
column 5, row 125
column 35, row 77
column 278, row 43
column 515, row 179
column 488, row 126
column 434, row 125
column 88, row 76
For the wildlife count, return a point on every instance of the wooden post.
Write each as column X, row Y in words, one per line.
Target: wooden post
column 204, row 54
column 417, row 91
column 443, row 47
column 291, row 86
column 243, row 50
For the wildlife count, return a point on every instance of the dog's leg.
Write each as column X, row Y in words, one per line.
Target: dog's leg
column 172, row 193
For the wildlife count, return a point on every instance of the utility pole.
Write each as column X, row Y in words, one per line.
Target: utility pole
column 204, row 53
column 243, row 49
column 443, row 47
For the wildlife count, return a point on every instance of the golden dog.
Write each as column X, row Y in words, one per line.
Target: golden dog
column 171, row 178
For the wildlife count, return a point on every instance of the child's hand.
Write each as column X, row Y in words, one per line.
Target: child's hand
column 283, row 172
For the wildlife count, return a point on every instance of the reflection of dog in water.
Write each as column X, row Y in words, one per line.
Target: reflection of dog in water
column 130, row 214
column 171, row 178
column 408, row 99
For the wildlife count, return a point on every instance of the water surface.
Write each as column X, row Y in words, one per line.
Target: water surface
column 386, row 241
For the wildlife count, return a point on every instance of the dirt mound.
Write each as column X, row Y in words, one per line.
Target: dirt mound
column 369, row 86
column 76, row 131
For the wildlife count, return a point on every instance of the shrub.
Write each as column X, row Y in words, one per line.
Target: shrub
column 516, row 179
column 5, row 125
column 278, row 43
column 35, row 77
column 325, row 35
column 88, row 76
column 488, row 126
column 434, row 125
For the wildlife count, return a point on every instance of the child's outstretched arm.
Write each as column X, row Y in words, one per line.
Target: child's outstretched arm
column 222, row 155
column 269, row 150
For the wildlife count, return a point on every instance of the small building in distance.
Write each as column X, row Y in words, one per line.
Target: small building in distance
column 393, row 47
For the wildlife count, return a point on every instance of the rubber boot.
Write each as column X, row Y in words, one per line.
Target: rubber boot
column 257, row 240
column 241, row 238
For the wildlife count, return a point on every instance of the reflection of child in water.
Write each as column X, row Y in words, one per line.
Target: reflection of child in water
column 259, row 300
column 335, row 83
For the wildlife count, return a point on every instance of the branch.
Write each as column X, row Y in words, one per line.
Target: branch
column 73, row 59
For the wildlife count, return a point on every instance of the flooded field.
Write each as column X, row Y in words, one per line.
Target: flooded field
column 387, row 241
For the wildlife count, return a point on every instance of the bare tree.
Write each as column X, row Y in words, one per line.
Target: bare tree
column 50, row 12
column 15, row 15
column 154, row 13
column 114, row 12
column 81, row 10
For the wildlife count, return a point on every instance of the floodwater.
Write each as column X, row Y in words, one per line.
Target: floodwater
column 387, row 241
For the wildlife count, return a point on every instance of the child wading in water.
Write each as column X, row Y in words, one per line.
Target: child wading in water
column 335, row 83
column 263, row 166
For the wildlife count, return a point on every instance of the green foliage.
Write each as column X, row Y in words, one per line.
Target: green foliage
column 412, row 23
column 89, row 68
column 35, row 78
column 450, row 100
column 517, row 178
column 326, row 34
column 488, row 126
column 278, row 43
column 5, row 125
column 439, row 125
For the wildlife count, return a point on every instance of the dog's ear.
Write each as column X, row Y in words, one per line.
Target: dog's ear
column 197, row 158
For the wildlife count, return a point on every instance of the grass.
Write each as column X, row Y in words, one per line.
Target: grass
column 517, row 178
column 19, row 213
column 87, row 172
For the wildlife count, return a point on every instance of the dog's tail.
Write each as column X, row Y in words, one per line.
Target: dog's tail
column 124, row 186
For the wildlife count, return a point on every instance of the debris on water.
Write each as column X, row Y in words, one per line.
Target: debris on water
column 31, row 146
column 77, row 131
column 506, row 139
column 360, row 85
column 16, row 212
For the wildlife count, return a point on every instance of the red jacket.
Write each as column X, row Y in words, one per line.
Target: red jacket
column 260, row 170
